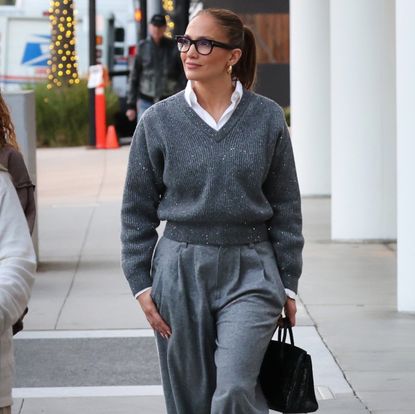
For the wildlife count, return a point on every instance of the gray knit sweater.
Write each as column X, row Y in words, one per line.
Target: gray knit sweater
column 233, row 186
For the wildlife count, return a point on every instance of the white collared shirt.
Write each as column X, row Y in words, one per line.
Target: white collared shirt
column 191, row 99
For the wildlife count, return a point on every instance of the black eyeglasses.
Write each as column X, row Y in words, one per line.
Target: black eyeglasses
column 203, row 46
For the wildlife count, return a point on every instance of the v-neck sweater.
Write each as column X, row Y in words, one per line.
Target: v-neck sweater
column 237, row 185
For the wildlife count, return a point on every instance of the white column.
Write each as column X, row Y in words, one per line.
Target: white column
column 405, row 95
column 310, row 94
column 363, row 121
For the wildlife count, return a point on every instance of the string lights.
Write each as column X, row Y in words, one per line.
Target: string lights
column 63, row 62
column 168, row 7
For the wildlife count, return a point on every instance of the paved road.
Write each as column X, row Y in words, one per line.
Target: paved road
column 87, row 347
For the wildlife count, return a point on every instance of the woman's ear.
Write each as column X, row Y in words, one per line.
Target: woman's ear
column 235, row 56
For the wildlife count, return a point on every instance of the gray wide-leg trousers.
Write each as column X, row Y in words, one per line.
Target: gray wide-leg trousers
column 222, row 304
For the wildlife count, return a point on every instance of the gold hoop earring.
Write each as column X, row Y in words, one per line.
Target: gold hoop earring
column 229, row 70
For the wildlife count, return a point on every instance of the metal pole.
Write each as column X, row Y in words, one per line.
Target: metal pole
column 92, row 61
column 186, row 14
column 143, row 23
column 181, row 16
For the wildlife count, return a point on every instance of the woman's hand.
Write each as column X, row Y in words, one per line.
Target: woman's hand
column 290, row 309
column 152, row 314
column 131, row 114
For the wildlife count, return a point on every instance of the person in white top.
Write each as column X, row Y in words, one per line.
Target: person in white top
column 17, row 267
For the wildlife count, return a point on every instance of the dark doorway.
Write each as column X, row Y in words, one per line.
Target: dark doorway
column 269, row 20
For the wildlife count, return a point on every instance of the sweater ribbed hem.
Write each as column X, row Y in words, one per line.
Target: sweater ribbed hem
column 216, row 234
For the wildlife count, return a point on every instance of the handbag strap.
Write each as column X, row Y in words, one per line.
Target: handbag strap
column 283, row 330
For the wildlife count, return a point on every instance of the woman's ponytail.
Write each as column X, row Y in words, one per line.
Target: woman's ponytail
column 245, row 69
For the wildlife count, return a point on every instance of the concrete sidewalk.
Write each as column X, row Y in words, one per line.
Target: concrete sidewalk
column 87, row 347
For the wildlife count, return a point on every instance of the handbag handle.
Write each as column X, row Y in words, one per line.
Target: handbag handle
column 286, row 327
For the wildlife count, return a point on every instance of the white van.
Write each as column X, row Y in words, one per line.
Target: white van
column 25, row 38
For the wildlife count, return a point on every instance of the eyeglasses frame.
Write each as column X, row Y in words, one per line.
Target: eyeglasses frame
column 214, row 43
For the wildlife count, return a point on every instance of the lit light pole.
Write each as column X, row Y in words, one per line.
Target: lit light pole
column 63, row 62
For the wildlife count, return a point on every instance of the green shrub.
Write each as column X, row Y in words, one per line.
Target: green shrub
column 62, row 114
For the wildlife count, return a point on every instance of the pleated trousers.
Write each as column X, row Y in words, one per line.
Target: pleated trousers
column 222, row 304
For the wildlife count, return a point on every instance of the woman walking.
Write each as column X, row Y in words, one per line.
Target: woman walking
column 215, row 161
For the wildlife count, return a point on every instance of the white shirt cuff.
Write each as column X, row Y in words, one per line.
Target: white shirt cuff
column 142, row 291
column 291, row 294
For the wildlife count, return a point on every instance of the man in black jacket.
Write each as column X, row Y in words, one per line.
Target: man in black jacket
column 157, row 72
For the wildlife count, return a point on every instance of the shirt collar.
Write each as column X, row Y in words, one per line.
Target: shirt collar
column 191, row 97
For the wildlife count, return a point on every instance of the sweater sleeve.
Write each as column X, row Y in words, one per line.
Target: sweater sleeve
column 23, row 184
column 27, row 200
column 285, row 226
column 17, row 257
column 139, row 221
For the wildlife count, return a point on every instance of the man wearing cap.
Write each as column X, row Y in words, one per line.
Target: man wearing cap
column 157, row 71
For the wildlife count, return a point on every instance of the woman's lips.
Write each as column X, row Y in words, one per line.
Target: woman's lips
column 192, row 65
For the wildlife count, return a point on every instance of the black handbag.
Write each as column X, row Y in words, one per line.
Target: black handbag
column 18, row 326
column 286, row 376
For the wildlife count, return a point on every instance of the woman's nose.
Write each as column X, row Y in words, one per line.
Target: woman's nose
column 192, row 51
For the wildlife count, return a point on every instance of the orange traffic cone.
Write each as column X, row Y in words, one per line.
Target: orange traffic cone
column 112, row 140
column 100, row 119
